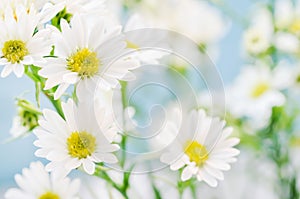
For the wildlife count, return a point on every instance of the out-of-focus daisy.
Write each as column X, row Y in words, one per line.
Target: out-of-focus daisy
column 287, row 16
column 87, row 56
column 287, row 21
column 83, row 138
column 258, row 37
column 212, row 101
column 135, row 42
column 287, row 42
column 94, row 187
column 287, row 76
column 168, row 131
column 26, row 120
column 19, row 48
column 242, row 179
column 180, row 15
column 203, row 149
column 111, row 100
column 35, row 182
column 253, row 94
column 140, row 186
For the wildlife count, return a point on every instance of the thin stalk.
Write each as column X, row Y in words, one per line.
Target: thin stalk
column 48, row 93
column 107, row 178
column 193, row 190
column 126, row 176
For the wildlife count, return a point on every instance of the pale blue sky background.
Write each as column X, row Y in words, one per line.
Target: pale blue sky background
column 18, row 154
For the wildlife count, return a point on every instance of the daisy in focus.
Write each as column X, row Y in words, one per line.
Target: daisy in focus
column 20, row 45
column 87, row 55
column 253, row 94
column 40, row 10
column 84, row 138
column 35, row 182
column 203, row 149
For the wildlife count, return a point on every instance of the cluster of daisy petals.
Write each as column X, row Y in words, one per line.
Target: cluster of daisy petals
column 84, row 49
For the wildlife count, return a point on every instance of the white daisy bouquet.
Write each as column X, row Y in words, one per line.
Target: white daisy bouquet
column 82, row 56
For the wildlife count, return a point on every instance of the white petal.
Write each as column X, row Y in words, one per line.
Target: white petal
column 19, row 70
column 6, row 70
column 60, row 90
column 88, row 166
column 72, row 163
column 27, row 60
column 211, row 181
column 106, row 157
column 3, row 61
column 186, row 173
column 71, row 78
column 68, row 109
column 177, row 165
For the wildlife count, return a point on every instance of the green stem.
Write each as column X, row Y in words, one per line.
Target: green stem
column 48, row 93
column 126, row 175
column 276, row 141
column 55, row 103
column 107, row 178
column 193, row 190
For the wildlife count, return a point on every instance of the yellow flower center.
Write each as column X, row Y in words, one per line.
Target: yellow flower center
column 196, row 152
column 84, row 62
column 255, row 39
column 14, row 51
column 295, row 26
column 259, row 90
column 49, row 195
column 132, row 45
column 81, row 144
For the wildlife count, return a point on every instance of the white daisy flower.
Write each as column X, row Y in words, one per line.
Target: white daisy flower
column 38, row 9
column 253, row 94
column 203, row 149
column 86, row 54
column 180, row 15
column 35, row 182
column 287, row 16
column 83, row 138
column 134, row 42
column 258, row 37
column 287, row 42
column 19, row 48
column 287, row 76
